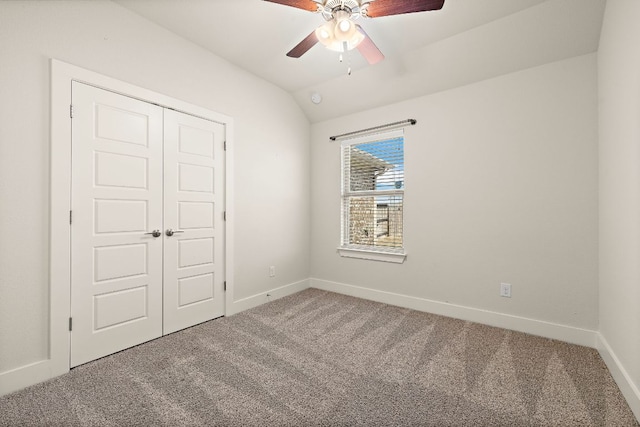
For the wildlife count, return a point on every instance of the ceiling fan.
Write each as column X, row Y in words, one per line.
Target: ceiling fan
column 340, row 33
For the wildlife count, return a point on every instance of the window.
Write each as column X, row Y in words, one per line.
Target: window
column 373, row 196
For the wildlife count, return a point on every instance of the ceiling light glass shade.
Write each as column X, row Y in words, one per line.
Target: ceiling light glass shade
column 324, row 33
column 332, row 36
column 345, row 28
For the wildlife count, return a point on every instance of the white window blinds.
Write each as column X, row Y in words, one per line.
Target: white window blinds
column 373, row 192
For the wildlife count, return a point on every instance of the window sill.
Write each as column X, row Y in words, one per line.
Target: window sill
column 394, row 257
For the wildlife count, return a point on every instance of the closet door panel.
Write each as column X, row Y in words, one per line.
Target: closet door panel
column 193, row 218
column 116, row 267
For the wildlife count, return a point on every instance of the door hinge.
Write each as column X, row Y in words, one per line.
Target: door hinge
column 224, row 215
column 225, row 285
column 225, row 145
column 71, row 111
column 70, row 324
column 70, row 217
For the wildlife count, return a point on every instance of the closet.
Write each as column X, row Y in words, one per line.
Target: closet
column 147, row 212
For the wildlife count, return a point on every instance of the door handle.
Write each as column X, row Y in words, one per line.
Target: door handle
column 155, row 233
column 171, row 232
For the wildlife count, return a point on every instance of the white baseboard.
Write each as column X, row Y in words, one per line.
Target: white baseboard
column 267, row 296
column 556, row 331
column 34, row 373
column 629, row 390
column 24, row 376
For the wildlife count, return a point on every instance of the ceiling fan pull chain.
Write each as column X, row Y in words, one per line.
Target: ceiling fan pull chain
column 346, row 52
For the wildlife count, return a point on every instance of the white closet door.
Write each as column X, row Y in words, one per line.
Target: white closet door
column 194, row 207
column 116, row 267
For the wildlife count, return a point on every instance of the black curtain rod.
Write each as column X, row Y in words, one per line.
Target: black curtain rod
column 389, row 125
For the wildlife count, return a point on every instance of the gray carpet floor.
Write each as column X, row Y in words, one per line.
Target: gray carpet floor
column 322, row 359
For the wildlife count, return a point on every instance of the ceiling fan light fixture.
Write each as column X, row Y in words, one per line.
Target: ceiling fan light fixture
column 339, row 34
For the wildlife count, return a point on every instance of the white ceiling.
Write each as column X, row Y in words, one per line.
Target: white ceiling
column 465, row 42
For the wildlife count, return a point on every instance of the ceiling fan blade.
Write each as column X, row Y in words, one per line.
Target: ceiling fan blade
column 380, row 8
column 368, row 48
column 304, row 46
column 309, row 5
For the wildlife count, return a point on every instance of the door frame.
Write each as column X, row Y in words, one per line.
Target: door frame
column 62, row 74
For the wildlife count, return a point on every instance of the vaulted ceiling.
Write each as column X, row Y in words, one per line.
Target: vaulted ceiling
column 465, row 42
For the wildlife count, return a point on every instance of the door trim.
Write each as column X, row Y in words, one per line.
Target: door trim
column 62, row 74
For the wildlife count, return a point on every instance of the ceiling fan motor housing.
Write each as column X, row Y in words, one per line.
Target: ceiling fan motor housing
column 352, row 7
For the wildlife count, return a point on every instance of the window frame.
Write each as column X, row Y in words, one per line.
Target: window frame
column 368, row 252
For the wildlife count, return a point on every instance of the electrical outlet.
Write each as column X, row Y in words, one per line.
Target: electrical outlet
column 272, row 271
column 505, row 290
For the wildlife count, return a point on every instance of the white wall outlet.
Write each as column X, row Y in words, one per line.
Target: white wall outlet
column 505, row 290
column 272, row 271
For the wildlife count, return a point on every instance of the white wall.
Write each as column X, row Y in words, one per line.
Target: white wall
column 619, row 93
column 271, row 149
column 501, row 186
